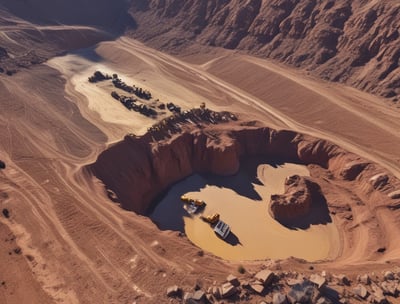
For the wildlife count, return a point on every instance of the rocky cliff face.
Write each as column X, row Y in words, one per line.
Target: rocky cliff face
column 351, row 41
column 139, row 169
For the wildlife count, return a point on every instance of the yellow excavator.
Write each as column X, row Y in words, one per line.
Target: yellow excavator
column 189, row 200
column 193, row 205
column 212, row 219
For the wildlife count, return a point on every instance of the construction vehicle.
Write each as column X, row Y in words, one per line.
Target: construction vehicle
column 212, row 219
column 192, row 205
column 222, row 229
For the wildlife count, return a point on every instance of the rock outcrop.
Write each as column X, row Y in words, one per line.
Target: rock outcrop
column 355, row 42
column 296, row 201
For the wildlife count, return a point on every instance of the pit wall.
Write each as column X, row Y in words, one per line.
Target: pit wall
column 139, row 169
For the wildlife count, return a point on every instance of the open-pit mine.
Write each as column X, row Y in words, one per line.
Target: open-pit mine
column 205, row 152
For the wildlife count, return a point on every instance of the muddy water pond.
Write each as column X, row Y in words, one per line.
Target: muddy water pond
column 242, row 201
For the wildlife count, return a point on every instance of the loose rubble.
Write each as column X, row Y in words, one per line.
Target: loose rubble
column 267, row 286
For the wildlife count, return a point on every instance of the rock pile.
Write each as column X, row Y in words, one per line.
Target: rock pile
column 290, row 287
column 297, row 199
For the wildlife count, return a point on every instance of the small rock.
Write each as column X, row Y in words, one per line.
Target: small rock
column 364, row 279
column 233, row 280
column 323, row 300
column 216, row 292
column 342, row 279
column 265, row 276
column 2, row 165
column 279, row 298
column 292, row 282
column 378, row 296
column 187, row 298
column 394, row 194
column 389, row 276
column 361, row 291
column 173, row 291
column 318, row 280
column 198, row 295
column 381, row 249
column 6, row 213
column 228, row 290
column 257, row 287
column 390, row 288
column 303, row 293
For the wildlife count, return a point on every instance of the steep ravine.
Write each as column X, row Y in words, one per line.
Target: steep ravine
column 354, row 42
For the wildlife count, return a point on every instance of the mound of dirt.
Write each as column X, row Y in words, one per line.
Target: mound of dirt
column 355, row 42
column 296, row 201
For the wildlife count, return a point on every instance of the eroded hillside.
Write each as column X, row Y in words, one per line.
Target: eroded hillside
column 355, row 42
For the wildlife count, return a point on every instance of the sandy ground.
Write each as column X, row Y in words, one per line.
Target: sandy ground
column 243, row 203
column 81, row 248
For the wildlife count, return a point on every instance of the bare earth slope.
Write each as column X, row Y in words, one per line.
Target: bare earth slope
column 355, row 42
column 33, row 31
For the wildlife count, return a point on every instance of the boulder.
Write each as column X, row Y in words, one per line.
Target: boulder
column 198, row 295
column 342, row 280
column 390, row 288
column 364, row 279
column 173, row 291
column 216, row 292
column 323, row 300
column 318, row 280
column 265, row 277
column 227, row 290
column 279, row 298
column 389, row 276
column 233, row 280
column 378, row 296
column 303, row 293
column 361, row 291
column 257, row 287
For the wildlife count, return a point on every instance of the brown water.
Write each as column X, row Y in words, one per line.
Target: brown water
column 242, row 201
